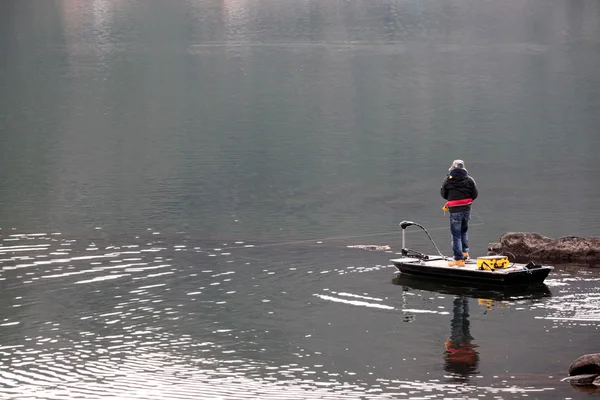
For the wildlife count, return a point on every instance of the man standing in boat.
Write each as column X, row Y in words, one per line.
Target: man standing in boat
column 460, row 189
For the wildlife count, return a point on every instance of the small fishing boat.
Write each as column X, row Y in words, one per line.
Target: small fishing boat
column 489, row 270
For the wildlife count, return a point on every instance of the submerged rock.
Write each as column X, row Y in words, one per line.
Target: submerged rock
column 371, row 247
column 533, row 245
column 584, row 379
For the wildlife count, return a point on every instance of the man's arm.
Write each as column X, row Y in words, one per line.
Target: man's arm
column 474, row 190
column 443, row 190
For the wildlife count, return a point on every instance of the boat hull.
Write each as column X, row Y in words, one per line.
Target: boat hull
column 479, row 291
column 516, row 274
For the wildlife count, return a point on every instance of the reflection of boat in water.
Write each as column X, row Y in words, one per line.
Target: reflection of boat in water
column 461, row 358
column 463, row 289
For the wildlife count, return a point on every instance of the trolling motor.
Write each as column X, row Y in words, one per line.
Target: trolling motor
column 412, row 253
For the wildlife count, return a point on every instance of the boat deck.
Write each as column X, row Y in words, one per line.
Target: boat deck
column 470, row 264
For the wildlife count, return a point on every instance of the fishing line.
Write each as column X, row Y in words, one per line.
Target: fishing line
column 334, row 238
column 316, row 240
column 478, row 217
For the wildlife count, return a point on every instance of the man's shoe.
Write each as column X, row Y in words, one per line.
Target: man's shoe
column 457, row 263
column 465, row 255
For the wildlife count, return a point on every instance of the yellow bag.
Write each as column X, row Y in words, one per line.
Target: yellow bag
column 492, row 263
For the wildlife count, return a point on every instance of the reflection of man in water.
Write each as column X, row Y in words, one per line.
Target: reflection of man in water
column 461, row 359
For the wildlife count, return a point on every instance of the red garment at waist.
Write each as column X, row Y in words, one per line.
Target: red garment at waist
column 461, row 202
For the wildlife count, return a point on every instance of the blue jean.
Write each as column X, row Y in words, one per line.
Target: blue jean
column 459, row 225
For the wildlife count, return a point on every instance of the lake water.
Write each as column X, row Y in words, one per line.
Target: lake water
column 181, row 181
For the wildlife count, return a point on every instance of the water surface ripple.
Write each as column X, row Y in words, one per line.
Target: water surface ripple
column 173, row 317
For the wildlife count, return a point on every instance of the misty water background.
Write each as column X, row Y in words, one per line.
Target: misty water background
column 179, row 182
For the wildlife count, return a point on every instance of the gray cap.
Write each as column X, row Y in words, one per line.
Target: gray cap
column 457, row 164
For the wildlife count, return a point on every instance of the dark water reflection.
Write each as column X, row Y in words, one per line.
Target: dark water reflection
column 180, row 182
column 461, row 356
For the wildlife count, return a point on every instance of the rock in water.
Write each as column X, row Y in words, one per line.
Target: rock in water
column 371, row 247
column 585, row 371
column 533, row 245
column 586, row 364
